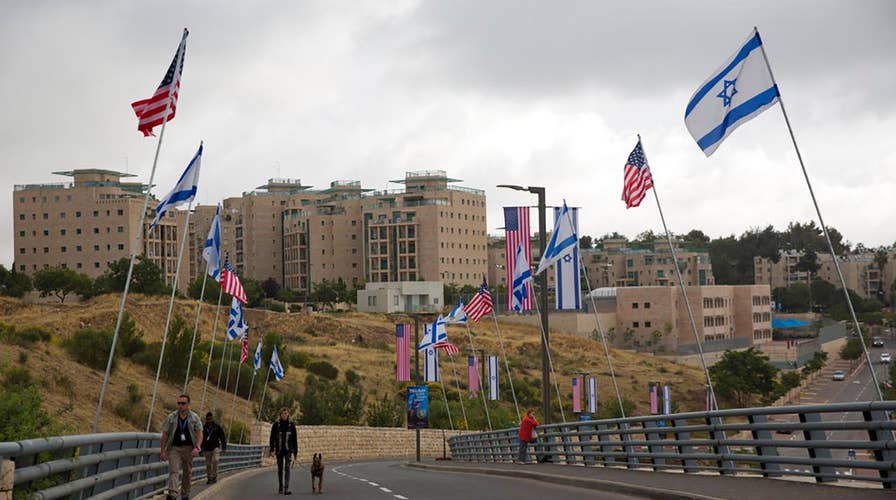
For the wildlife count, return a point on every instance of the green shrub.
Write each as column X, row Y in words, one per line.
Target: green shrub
column 325, row 369
column 240, row 433
column 272, row 305
column 385, row 412
column 131, row 408
column 25, row 337
column 17, row 378
column 300, row 359
column 90, row 346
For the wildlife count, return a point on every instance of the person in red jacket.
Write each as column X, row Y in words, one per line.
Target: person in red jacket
column 527, row 430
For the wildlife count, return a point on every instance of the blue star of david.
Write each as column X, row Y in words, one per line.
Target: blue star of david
column 724, row 95
column 567, row 258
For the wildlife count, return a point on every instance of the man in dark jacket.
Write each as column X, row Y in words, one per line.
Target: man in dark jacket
column 284, row 444
column 213, row 443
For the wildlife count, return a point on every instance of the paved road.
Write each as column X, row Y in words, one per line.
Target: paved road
column 389, row 480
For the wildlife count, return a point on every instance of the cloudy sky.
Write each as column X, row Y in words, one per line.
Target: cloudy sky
column 528, row 92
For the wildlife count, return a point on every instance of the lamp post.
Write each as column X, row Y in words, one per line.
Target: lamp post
column 543, row 300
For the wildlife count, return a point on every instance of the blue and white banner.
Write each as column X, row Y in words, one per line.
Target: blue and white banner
column 276, row 366
column 564, row 239
column 183, row 192
column 566, row 272
column 740, row 89
column 212, row 251
column 237, row 326
column 430, row 364
column 258, row 356
column 493, row 378
column 592, row 395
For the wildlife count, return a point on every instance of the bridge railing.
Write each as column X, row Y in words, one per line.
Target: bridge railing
column 114, row 465
column 828, row 442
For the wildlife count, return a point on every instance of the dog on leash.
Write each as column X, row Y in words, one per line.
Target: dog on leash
column 317, row 471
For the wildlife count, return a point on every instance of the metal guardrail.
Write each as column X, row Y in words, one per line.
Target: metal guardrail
column 828, row 442
column 121, row 465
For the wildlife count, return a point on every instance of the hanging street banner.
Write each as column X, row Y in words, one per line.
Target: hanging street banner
column 418, row 407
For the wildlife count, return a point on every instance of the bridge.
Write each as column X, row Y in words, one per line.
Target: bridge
column 838, row 450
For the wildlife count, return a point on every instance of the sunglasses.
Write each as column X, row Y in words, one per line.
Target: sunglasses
column 183, row 402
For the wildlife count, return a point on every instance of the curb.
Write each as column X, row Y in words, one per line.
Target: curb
column 213, row 490
column 586, row 483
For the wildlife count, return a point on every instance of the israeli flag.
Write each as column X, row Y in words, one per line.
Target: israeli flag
column 563, row 240
column 435, row 332
column 276, row 366
column 184, row 191
column 237, row 326
column 522, row 275
column 493, row 378
column 735, row 93
column 258, row 356
column 592, row 395
column 566, row 272
column 431, row 365
column 212, row 251
column 667, row 400
column 457, row 315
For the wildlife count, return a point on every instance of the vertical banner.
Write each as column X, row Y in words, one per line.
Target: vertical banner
column 708, row 399
column 576, row 396
column 402, row 352
column 516, row 233
column 566, row 271
column 493, row 378
column 473, row 374
column 431, row 365
column 667, row 400
column 592, row 395
column 654, row 403
column 418, row 407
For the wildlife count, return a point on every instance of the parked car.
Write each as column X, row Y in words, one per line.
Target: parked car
column 839, row 375
column 877, row 342
column 884, row 357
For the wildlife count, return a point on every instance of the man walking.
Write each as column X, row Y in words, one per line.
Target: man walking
column 284, row 443
column 213, row 438
column 181, row 441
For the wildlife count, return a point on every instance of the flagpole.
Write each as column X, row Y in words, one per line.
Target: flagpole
column 195, row 329
column 516, row 405
column 445, row 397
column 211, row 351
column 459, row 394
column 226, row 349
column 484, row 405
column 127, row 282
column 550, row 362
column 180, row 255
column 229, row 363
column 249, row 399
column 824, row 228
column 236, row 388
column 266, row 378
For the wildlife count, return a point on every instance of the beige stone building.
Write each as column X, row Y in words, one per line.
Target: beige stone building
column 430, row 230
column 89, row 222
column 861, row 273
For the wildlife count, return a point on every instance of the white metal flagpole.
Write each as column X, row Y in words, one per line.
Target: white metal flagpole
column 137, row 242
column 249, row 400
column 824, row 228
column 211, row 351
column 484, row 404
column 263, row 391
column 460, row 396
column 195, row 329
column 180, row 258
column 236, row 388
column 516, row 405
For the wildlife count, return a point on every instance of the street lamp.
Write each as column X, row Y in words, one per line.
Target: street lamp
column 543, row 300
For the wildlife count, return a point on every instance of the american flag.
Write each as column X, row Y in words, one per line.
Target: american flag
column 244, row 354
column 449, row 348
column 402, row 352
column 637, row 177
column 230, row 282
column 151, row 112
column 473, row 374
column 481, row 303
column 516, row 233
column 576, row 395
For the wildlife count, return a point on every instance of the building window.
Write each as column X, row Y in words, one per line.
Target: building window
column 46, row 216
column 78, row 231
column 78, row 249
column 96, row 248
column 647, row 305
column 119, row 211
column 395, row 300
column 96, row 265
column 121, row 246
column 96, row 230
column 77, row 215
column 635, row 324
column 46, row 249
column 62, row 232
column 78, row 265
column 22, row 234
column 647, row 324
column 634, row 305
column 120, row 229
column 22, row 251
column 21, row 216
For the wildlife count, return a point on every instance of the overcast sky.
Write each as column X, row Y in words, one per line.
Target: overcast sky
column 545, row 93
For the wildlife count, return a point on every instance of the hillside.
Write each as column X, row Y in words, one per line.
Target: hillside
column 358, row 341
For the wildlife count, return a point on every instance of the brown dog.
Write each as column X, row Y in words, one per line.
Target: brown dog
column 317, row 471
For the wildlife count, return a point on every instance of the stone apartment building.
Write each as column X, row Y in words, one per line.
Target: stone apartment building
column 861, row 273
column 430, row 230
column 89, row 222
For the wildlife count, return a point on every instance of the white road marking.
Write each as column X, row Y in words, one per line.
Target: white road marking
column 387, row 490
column 401, row 497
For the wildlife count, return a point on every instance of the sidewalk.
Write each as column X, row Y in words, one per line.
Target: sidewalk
column 665, row 485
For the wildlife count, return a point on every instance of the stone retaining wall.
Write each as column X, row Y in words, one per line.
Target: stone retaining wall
column 354, row 443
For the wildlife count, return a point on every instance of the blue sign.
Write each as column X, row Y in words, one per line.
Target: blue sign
column 418, row 407
column 584, row 417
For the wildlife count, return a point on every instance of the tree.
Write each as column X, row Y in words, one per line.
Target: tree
column 61, row 282
column 385, row 412
column 254, row 292
column 212, row 289
column 146, row 277
column 270, row 287
column 644, row 240
column 881, row 256
column 325, row 292
column 697, row 239
column 742, row 377
column 14, row 284
column 585, row 242
column 327, row 402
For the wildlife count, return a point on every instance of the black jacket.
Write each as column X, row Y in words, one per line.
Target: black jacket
column 283, row 438
column 213, row 436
